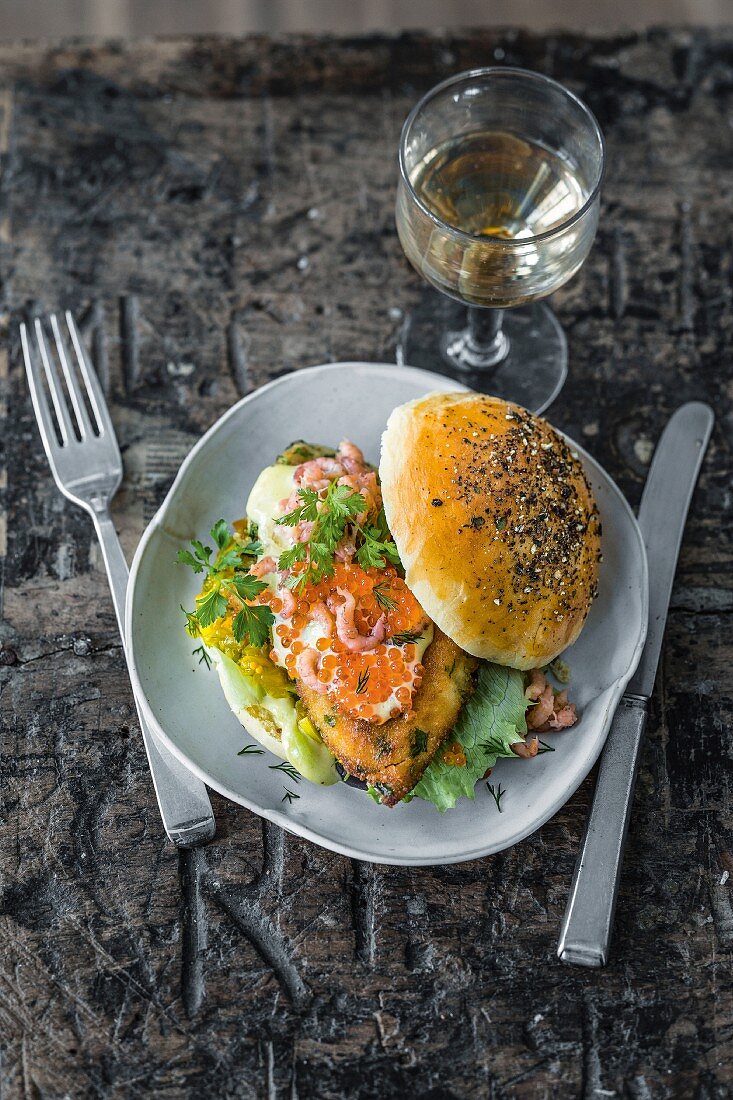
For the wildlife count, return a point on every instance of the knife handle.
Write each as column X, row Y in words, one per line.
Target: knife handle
column 586, row 928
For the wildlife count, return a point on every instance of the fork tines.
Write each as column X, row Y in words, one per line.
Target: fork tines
column 79, row 408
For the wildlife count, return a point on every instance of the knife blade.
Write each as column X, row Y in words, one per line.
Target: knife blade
column 662, row 515
column 586, row 930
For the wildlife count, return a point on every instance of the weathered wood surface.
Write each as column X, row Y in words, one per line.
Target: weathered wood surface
column 221, row 211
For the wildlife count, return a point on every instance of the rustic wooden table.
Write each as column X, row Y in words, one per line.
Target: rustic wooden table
column 220, row 212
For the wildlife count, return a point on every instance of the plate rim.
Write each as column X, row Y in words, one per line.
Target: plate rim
column 291, row 825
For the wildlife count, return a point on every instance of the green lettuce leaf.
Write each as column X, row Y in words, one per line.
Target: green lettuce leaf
column 490, row 722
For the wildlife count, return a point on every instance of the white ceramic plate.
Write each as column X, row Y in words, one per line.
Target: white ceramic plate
column 185, row 704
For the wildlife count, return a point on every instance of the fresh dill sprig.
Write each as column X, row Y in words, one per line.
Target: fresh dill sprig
column 287, row 767
column 380, row 595
column 362, row 682
column 289, row 796
column 251, row 750
column 406, row 637
column 202, row 654
column 227, row 578
column 497, row 793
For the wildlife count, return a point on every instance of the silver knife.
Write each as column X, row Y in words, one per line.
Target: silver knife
column 588, row 921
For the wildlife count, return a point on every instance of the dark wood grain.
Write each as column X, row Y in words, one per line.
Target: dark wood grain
column 218, row 212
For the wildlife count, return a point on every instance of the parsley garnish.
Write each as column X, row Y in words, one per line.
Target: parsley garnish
column 251, row 750
column 361, row 683
column 227, row 577
column 497, row 793
column 203, row 655
column 406, row 637
column 287, row 767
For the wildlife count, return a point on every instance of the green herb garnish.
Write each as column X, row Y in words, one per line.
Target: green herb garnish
column 250, row 750
column 287, row 767
column 362, row 682
column 545, row 748
column 289, row 796
column 331, row 516
column 419, row 742
column 406, row 637
column 497, row 793
column 380, row 595
column 227, row 577
column 202, row 655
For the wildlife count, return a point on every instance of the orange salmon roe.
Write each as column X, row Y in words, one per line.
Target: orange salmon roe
column 454, row 755
column 357, row 682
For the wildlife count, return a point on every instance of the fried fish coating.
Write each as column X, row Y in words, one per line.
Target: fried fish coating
column 393, row 756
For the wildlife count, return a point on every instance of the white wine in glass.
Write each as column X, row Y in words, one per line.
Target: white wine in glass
column 498, row 207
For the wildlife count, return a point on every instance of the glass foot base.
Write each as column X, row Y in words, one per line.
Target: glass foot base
column 535, row 367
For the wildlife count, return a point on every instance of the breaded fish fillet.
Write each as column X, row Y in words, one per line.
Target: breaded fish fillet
column 393, row 756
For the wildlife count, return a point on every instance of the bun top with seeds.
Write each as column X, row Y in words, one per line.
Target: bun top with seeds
column 495, row 523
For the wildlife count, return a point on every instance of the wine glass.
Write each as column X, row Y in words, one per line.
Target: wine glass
column 497, row 207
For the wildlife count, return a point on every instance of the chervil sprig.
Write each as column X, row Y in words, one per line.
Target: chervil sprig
column 227, row 580
column 376, row 550
column 330, row 517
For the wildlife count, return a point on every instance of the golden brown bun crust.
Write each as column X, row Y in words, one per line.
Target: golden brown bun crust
column 495, row 523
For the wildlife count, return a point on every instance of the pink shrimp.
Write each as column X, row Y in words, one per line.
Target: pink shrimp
column 303, row 531
column 346, row 627
column 320, row 614
column 263, row 566
column 526, row 749
column 564, row 715
column 318, row 473
column 553, row 711
column 289, row 601
column 541, row 711
column 306, row 666
column 351, row 456
column 345, row 551
column 537, row 684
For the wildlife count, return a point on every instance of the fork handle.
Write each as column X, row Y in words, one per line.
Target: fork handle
column 182, row 799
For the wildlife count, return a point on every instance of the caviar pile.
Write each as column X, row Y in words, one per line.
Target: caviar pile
column 362, row 685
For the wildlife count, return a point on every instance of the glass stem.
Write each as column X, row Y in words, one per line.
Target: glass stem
column 486, row 342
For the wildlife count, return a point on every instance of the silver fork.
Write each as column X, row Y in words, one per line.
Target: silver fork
column 87, row 467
